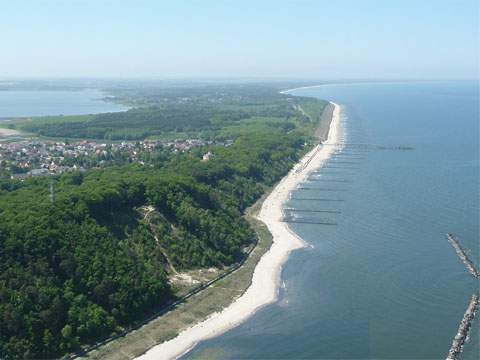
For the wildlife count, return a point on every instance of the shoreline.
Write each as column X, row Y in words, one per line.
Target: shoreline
column 301, row 88
column 6, row 133
column 266, row 277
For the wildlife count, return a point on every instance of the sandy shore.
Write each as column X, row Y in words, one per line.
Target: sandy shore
column 266, row 278
column 8, row 132
column 301, row 88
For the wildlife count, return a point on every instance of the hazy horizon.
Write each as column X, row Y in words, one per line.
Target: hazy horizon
column 297, row 40
column 324, row 80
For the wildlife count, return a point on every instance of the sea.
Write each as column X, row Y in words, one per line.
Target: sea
column 378, row 278
column 25, row 103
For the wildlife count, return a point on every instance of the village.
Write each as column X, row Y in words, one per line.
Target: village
column 27, row 158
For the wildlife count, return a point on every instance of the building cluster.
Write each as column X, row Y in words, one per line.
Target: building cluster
column 34, row 158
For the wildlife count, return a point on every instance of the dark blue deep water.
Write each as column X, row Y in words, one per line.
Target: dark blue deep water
column 383, row 283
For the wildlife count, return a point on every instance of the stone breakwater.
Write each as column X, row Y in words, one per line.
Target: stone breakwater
column 463, row 255
column 464, row 328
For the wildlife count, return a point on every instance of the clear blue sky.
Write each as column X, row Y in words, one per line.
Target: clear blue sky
column 242, row 38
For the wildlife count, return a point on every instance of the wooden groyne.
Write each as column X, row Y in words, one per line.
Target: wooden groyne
column 346, row 151
column 463, row 255
column 347, row 157
column 329, row 180
column 350, row 154
column 309, row 222
column 344, row 162
column 315, row 199
column 318, row 188
column 335, row 167
column 362, row 146
column 313, row 211
column 360, row 155
column 464, row 328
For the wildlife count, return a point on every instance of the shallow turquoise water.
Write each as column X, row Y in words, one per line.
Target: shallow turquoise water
column 384, row 283
column 21, row 103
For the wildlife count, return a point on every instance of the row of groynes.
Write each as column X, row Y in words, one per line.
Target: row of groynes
column 463, row 329
column 463, row 255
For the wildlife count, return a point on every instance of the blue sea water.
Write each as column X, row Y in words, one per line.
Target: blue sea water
column 383, row 283
column 23, row 103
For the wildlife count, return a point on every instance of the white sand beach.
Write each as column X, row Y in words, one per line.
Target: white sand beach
column 301, row 88
column 266, row 278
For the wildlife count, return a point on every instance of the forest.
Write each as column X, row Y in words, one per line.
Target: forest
column 161, row 111
column 78, row 259
column 134, row 124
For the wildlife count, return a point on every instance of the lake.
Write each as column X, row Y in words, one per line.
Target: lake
column 383, row 283
column 22, row 103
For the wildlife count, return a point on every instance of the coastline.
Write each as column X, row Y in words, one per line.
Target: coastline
column 5, row 132
column 302, row 87
column 266, row 277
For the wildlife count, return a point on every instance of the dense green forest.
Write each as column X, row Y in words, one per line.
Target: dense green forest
column 81, row 262
column 174, row 111
column 134, row 124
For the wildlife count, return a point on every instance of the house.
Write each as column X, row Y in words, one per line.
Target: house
column 207, row 156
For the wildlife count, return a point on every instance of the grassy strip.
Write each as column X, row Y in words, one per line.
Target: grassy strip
column 196, row 308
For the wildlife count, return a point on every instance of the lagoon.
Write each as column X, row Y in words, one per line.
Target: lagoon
column 26, row 103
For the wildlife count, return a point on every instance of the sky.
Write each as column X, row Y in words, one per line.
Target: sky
column 315, row 39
